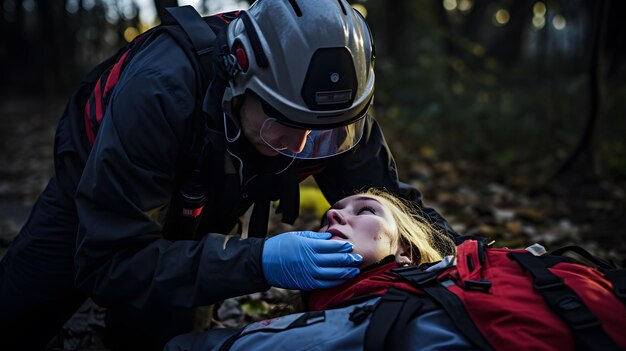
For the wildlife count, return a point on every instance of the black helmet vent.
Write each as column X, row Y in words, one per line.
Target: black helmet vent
column 296, row 8
column 255, row 42
column 330, row 82
column 345, row 13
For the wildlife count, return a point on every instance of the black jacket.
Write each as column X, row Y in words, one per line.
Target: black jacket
column 128, row 248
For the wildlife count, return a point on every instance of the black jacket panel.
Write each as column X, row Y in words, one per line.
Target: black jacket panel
column 124, row 195
column 128, row 247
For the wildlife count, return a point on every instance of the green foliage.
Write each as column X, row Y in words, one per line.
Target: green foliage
column 611, row 138
column 513, row 117
column 612, row 155
column 255, row 307
column 312, row 200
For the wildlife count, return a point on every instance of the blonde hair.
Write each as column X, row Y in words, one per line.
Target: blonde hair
column 426, row 244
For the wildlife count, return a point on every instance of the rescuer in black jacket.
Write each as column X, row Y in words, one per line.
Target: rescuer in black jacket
column 153, row 170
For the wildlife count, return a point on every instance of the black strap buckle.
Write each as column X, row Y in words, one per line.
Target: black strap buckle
column 548, row 283
column 586, row 324
column 360, row 314
column 482, row 285
column 228, row 66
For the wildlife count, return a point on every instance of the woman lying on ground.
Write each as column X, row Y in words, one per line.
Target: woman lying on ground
column 387, row 233
column 503, row 299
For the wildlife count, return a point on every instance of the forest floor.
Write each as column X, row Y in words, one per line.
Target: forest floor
column 592, row 215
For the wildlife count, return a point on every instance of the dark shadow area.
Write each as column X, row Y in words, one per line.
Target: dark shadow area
column 507, row 114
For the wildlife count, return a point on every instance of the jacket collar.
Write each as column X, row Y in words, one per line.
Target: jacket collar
column 374, row 280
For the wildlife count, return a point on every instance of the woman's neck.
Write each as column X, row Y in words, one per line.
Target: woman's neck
column 374, row 280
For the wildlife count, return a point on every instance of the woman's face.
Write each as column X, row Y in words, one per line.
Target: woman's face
column 366, row 223
column 263, row 131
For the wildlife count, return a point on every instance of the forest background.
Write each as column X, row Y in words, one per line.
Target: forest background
column 507, row 114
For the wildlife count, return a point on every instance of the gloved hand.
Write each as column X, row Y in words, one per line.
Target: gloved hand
column 308, row 260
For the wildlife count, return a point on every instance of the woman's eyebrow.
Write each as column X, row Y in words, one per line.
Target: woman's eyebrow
column 339, row 205
column 367, row 198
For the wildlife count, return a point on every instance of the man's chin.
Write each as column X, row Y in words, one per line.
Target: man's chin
column 267, row 151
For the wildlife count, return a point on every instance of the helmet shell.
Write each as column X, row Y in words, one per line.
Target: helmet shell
column 312, row 61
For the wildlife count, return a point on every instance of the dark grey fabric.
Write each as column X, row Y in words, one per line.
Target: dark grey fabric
column 324, row 330
column 109, row 225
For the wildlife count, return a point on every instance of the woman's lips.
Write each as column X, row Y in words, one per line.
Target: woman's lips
column 336, row 234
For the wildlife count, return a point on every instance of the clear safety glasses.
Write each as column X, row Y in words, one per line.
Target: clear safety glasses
column 310, row 144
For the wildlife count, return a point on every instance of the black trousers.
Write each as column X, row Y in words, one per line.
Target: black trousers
column 37, row 294
column 37, row 273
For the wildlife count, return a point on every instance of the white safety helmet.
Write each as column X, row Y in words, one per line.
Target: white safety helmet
column 311, row 65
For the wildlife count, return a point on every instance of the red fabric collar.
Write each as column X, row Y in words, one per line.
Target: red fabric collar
column 374, row 281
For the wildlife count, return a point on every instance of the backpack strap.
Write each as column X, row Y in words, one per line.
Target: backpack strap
column 611, row 271
column 618, row 278
column 586, row 328
column 452, row 304
column 198, row 31
column 390, row 317
column 201, row 34
column 599, row 262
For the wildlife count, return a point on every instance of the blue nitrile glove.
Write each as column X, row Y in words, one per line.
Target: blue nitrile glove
column 308, row 260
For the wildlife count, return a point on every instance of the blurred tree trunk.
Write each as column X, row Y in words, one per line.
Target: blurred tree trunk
column 462, row 35
column 476, row 28
column 505, row 45
column 450, row 49
column 52, row 44
column 14, row 37
column 615, row 42
column 579, row 168
column 394, row 34
column 467, row 30
column 397, row 17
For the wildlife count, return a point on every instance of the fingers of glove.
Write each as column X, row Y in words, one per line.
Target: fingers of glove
column 337, row 260
column 334, row 273
column 329, row 246
column 312, row 235
column 295, row 239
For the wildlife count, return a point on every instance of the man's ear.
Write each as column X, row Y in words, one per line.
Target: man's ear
column 233, row 107
column 403, row 255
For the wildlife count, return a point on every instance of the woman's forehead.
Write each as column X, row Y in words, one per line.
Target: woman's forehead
column 355, row 199
column 384, row 206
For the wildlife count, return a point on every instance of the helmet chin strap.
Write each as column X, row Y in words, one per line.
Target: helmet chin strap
column 279, row 181
column 236, row 126
column 288, row 165
column 232, row 132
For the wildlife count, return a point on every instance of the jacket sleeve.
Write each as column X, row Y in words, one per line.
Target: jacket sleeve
column 122, row 200
column 371, row 164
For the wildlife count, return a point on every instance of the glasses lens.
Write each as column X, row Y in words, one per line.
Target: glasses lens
column 310, row 144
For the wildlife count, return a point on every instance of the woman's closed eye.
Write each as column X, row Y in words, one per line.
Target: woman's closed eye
column 365, row 209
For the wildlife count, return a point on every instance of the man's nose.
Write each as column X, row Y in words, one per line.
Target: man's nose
column 296, row 140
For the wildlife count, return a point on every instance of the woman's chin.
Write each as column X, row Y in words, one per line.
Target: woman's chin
column 335, row 237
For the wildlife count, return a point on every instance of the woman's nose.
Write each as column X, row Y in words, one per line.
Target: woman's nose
column 334, row 216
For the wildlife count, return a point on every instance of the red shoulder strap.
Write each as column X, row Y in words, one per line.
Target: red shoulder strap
column 467, row 260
